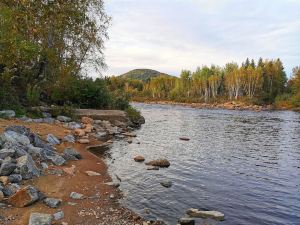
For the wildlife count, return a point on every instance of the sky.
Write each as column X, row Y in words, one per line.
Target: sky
column 172, row 35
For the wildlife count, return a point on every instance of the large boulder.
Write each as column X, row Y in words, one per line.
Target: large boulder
column 26, row 167
column 14, row 137
column 40, row 219
column 24, row 197
column 159, row 163
column 205, row 214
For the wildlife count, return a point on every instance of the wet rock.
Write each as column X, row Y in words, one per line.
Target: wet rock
column 184, row 138
column 59, row 215
column 92, row 173
column 153, row 168
column 139, row 158
column 205, row 214
column 19, row 129
column 69, row 138
column 166, row 184
column 11, row 136
column 186, row 221
column 83, row 141
column 7, row 168
column 72, row 152
column 159, row 163
column 26, row 167
column 87, row 120
column 52, row 202
column 24, row 197
column 40, row 219
column 7, row 114
column 64, row 119
column 79, row 132
column 52, row 139
column 75, row 195
column 114, row 184
column 10, row 189
column 130, row 134
column 15, row 178
column 7, row 152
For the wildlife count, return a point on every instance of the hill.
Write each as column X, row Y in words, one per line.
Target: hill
column 142, row 74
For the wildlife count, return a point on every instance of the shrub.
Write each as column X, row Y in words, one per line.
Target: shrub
column 33, row 95
column 133, row 114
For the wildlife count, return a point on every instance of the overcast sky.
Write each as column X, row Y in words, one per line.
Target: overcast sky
column 171, row 35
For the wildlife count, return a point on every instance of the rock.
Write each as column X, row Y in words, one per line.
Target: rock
column 7, row 114
column 59, row 215
column 184, row 138
column 88, row 128
column 70, row 170
column 10, row 189
column 114, row 184
column 38, row 142
column 40, row 219
column 79, row 132
column 4, row 180
column 111, row 196
column 1, row 196
column 101, row 136
column 46, row 115
column 159, row 162
column 15, row 178
column 205, row 214
column 19, row 129
column 139, row 158
column 166, row 184
column 52, row 202
column 186, row 221
column 49, row 120
column 54, row 157
column 7, row 168
column 130, row 134
column 24, row 197
column 129, row 141
column 11, row 136
column 44, row 165
column 87, row 120
column 64, row 119
column 26, row 167
column 52, row 139
column 34, row 151
column 92, row 173
column 76, row 195
column 72, row 152
column 83, row 141
column 153, row 168
column 7, row 152
column 74, row 125
column 69, row 138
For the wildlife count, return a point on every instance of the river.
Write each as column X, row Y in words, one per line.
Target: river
column 244, row 164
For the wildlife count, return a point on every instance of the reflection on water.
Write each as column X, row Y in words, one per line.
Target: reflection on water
column 242, row 163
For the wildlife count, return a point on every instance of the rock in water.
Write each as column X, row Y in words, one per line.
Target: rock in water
column 64, row 119
column 205, row 214
column 159, row 162
column 186, row 221
column 40, row 219
column 26, row 167
column 52, row 139
column 24, row 197
column 166, row 184
column 184, row 138
column 52, row 202
column 139, row 158
column 7, row 114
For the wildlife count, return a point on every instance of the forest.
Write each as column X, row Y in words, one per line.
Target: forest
column 262, row 82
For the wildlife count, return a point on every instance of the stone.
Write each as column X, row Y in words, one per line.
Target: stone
column 7, row 114
column 76, row 195
column 114, row 184
column 184, row 138
column 205, row 214
column 128, row 134
column 79, row 132
column 83, row 141
column 40, row 219
column 153, row 168
column 52, row 139
column 59, row 215
column 19, row 129
column 92, row 173
column 64, row 119
column 139, row 158
column 46, row 115
column 88, row 128
column 44, row 165
column 19, row 149
column 70, row 170
column 72, row 152
column 36, row 141
column 186, row 221
column 7, row 152
column 7, row 168
column 10, row 189
column 87, row 120
column 69, row 138
column 4, row 180
column 166, row 184
column 1, row 196
column 12, row 136
column 52, row 202
column 74, row 125
column 55, row 158
column 24, row 197
column 26, row 167
column 49, row 120
column 34, row 151
column 159, row 163
column 15, row 178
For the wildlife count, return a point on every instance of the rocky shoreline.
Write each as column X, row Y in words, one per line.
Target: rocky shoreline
column 48, row 174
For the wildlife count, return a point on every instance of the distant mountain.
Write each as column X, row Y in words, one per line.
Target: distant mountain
column 142, row 74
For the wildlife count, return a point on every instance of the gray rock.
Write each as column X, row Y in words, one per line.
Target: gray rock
column 11, row 136
column 186, row 221
column 26, row 167
column 205, row 214
column 19, row 129
column 166, row 184
column 72, row 152
column 46, row 115
column 74, row 125
column 38, row 142
column 40, row 219
column 38, row 120
column 114, row 184
column 76, row 195
column 44, row 165
column 59, row 215
column 64, row 119
column 25, row 196
column 49, row 120
column 19, row 149
column 7, row 114
column 15, row 178
column 52, row 202
column 10, row 189
column 57, row 160
column 35, row 151
column 52, row 139
column 6, row 152
column 7, row 168
column 69, row 138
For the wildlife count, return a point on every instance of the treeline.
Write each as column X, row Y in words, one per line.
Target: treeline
column 45, row 47
column 261, row 82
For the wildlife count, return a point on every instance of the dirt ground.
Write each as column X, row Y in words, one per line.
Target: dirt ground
column 99, row 207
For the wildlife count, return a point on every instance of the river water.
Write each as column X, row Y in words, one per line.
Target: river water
column 244, row 164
